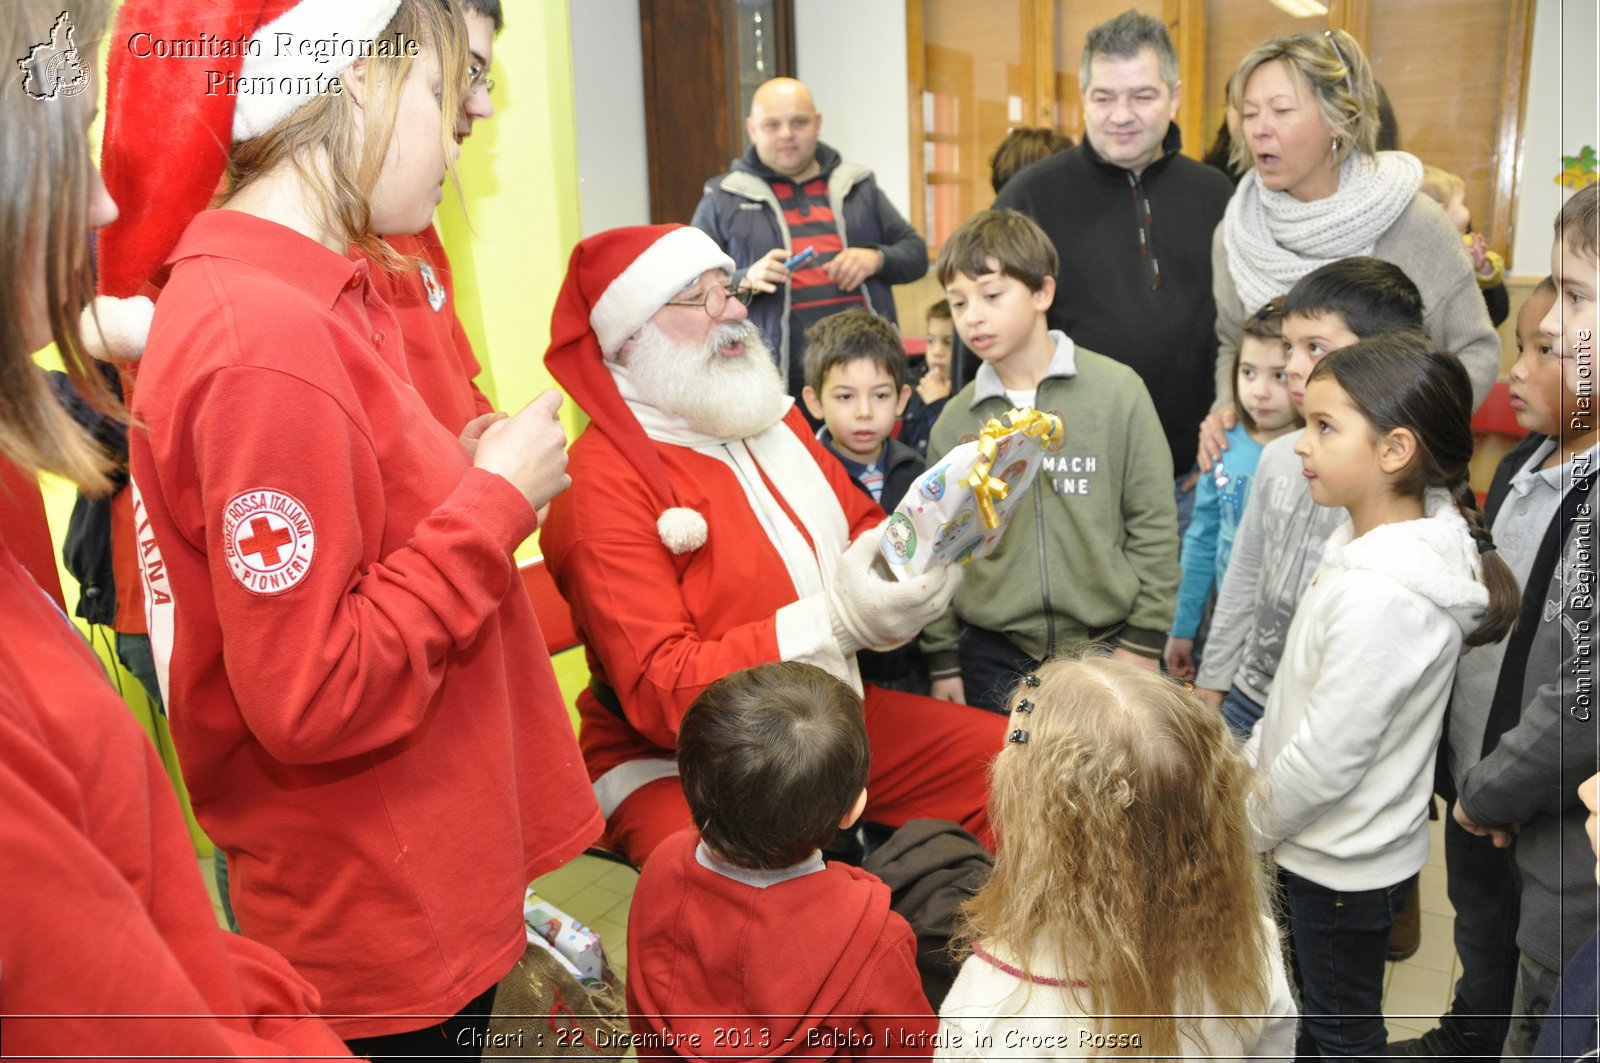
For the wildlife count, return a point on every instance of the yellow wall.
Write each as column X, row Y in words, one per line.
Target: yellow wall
column 519, row 180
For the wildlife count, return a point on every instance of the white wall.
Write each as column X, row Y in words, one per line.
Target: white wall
column 852, row 53
column 1561, row 118
column 858, row 76
column 608, row 96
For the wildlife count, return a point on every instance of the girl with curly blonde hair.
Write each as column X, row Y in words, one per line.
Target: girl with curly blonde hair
column 1126, row 913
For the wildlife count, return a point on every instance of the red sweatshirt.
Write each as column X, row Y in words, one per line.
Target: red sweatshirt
column 816, row 966
column 107, row 919
column 438, row 354
column 359, row 692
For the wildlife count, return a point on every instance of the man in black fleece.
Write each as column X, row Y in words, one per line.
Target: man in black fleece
column 1132, row 221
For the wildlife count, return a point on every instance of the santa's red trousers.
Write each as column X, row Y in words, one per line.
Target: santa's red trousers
column 930, row 760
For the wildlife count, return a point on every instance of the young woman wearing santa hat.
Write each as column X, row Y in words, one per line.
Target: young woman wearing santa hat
column 110, row 945
column 361, row 699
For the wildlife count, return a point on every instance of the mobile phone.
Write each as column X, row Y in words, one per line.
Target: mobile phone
column 795, row 261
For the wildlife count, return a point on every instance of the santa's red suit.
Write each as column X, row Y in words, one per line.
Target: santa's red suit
column 755, row 527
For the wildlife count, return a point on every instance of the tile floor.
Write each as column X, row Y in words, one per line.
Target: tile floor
column 1418, row 991
column 597, row 892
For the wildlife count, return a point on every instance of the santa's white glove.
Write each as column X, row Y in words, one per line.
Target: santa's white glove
column 871, row 613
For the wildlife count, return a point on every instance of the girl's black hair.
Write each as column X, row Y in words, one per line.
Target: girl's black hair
column 1401, row 380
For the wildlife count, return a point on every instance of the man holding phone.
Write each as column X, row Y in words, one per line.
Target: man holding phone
column 790, row 194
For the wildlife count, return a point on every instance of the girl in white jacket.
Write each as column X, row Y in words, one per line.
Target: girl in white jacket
column 1347, row 743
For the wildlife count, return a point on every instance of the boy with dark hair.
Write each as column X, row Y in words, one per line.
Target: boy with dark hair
column 932, row 390
column 1280, row 539
column 1368, row 295
column 1539, row 742
column 857, row 383
column 1091, row 555
column 1524, row 500
column 856, row 376
column 738, row 925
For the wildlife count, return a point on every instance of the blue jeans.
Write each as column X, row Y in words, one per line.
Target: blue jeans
column 1185, row 500
column 1240, row 712
column 1339, row 942
column 1482, row 885
column 991, row 664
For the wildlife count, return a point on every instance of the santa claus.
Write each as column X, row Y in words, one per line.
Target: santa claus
column 707, row 531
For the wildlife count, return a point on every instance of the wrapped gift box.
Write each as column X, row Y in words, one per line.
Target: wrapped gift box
column 957, row 512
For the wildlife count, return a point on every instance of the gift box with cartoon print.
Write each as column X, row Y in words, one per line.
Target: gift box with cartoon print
column 958, row 511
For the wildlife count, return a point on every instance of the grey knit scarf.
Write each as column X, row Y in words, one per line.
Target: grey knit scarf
column 1273, row 239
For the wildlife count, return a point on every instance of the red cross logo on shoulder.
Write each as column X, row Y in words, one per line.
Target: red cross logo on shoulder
column 268, row 540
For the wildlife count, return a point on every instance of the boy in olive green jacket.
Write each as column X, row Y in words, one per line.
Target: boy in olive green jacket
column 1091, row 553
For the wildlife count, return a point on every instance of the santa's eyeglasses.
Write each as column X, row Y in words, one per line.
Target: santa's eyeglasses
column 716, row 300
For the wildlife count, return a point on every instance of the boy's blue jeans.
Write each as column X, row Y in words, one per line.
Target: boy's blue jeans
column 991, row 664
column 1240, row 711
column 1486, row 895
column 1339, row 942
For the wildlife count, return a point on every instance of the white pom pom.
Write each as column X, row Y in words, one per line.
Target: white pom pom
column 681, row 530
column 114, row 330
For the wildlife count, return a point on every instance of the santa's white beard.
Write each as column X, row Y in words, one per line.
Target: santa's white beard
column 729, row 398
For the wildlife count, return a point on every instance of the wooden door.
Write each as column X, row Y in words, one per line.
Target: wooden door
column 702, row 61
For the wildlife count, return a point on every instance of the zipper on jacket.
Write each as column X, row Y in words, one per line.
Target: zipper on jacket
column 1145, row 219
column 1044, row 580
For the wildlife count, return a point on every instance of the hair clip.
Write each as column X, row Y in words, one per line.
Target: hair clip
column 1349, row 83
column 1018, row 736
column 1024, row 706
column 1030, row 680
column 1271, row 309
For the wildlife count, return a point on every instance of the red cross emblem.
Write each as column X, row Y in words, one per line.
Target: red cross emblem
column 268, row 540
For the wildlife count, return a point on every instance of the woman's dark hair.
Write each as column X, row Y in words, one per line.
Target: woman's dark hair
column 1401, row 380
column 1388, row 124
column 1220, row 154
column 1024, row 146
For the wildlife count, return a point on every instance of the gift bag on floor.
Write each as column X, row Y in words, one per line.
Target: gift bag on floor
column 562, row 999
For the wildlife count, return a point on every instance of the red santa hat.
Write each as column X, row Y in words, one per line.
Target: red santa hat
column 616, row 281
column 174, row 105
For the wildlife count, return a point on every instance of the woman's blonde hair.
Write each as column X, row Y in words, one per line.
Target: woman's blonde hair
column 1334, row 68
column 327, row 127
column 1124, row 854
column 44, row 226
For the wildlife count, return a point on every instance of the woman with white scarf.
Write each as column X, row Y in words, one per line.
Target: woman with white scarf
column 1318, row 190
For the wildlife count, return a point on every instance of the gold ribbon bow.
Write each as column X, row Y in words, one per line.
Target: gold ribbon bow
column 985, row 487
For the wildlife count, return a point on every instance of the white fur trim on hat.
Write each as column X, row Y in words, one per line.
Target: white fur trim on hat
column 681, row 529
column 286, row 52
column 114, row 330
column 664, row 269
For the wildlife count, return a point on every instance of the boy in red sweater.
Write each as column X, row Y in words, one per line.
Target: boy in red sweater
column 741, row 941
